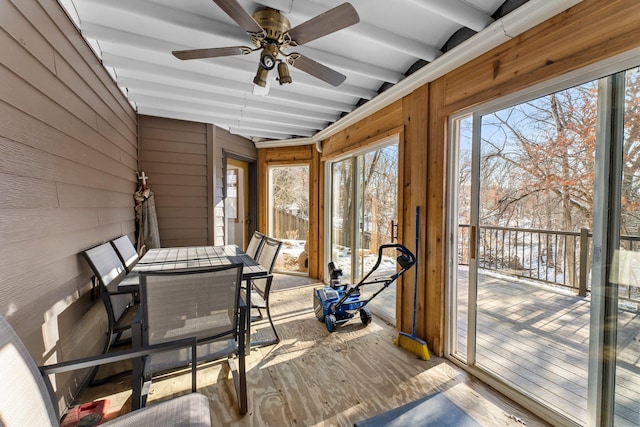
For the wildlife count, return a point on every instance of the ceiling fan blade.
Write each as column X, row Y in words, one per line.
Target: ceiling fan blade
column 238, row 14
column 326, row 23
column 211, row 53
column 316, row 69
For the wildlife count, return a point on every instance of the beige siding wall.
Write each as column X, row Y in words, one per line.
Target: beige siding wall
column 173, row 153
column 67, row 175
column 185, row 164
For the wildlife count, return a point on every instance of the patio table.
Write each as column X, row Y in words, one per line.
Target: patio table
column 162, row 259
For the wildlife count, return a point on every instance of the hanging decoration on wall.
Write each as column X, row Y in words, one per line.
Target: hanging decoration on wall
column 147, row 233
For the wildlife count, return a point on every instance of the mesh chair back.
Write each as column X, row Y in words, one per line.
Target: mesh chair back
column 126, row 251
column 255, row 244
column 109, row 271
column 25, row 397
column 178, row 304
column 266, row 258
column 269, row 253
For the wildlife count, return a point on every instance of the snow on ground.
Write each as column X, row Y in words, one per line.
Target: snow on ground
column 342, row 258
column 292, row 248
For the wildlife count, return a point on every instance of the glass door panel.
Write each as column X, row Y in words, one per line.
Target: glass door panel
column 627, row 378
column 460, row 284
column 377, row 183
column 364, row 199
column 288, row 216
column 535, row 191
column 378, row 215
column 237, row 203
column 342, row 215
column 549, row 303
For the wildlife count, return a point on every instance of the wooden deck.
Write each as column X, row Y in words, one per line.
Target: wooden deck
column 315, row 378
column 537, row 340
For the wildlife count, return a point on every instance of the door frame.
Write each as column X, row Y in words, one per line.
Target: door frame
column 251, row 197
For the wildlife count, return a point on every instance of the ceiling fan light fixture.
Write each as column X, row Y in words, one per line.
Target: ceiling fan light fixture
column 261, row 76
column 283, row 73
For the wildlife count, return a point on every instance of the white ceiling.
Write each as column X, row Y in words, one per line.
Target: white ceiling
column 134, row 39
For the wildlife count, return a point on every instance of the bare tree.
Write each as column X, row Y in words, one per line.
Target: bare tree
column 538, row 165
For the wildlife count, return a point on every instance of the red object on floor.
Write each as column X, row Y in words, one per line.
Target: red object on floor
column 86, row 415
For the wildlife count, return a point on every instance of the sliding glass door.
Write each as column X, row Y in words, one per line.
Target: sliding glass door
column 364, row 199
column 545, row 259
column 624, row 283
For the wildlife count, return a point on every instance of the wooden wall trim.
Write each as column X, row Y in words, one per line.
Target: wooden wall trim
column 581, row 36
column 263, row 154
column 369, row 141
column 352, row 138
column 316, row 258
column 211, row 179
column 435, row 233
column 414, row 114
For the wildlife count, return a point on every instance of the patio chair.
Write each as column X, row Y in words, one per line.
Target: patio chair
column 204, row 303
column 255, row 244
column 126, row 252
column 261, row 286
column 109, row 273
column 28, row 397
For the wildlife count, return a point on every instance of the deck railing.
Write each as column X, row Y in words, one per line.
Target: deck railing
column 560, row 258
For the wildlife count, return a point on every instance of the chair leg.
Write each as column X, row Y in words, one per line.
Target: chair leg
column 243, row 385
column 247, row 331
column 239, row 372
column 266, row 300
column 271, row 321
column 111, row 342
column 137, row 376
column 91, row 380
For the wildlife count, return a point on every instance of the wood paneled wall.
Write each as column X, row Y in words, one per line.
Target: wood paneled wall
column 406, row 118
column 185, row 164
column 67, row 176
column 589, row 32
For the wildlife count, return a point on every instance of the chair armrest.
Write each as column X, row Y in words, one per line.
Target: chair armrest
column 269, row 281
column 117, row 356
column 123, row 291
column 136, row 353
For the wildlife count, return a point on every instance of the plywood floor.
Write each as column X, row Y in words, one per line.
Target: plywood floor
column 315, row 378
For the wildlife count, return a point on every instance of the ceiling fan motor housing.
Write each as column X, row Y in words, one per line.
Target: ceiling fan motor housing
column 275, row 25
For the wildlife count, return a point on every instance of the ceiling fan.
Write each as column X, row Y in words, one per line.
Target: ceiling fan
column 271, row 33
